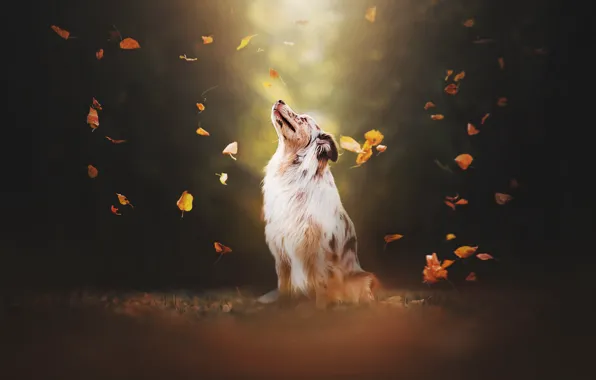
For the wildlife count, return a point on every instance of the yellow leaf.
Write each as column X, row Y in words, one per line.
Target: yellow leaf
column 223, row 177
column 244, row 42
column 374, row 137
column 129, row 44
column 450, row 236
column 185, row 202
column 267, row 84
column 231, row 149
column 202, row 132
column 447, row 263
column 371, row 14
column 123, row 200
column 365, row 155
column 201, row 107
column 349, row 144
column 465, row 251
column 207, row 39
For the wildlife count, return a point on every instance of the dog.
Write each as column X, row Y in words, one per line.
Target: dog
column 307, row 229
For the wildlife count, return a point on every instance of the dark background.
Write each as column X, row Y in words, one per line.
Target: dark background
column 58, row 227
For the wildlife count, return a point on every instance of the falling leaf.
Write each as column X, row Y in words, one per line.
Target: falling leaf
column 469, row 23
column 123, row 200
column 447, row 263
column 289, row 43
column 502, row 102
column 267, row 84
column 201, row 107
column 373, row 137
column 61, row 32
column 472, row 130
column 452, row 199
column 501, row 63
column 484, row 256
column 223, row 177
column 451, row 89
column 465, row 251
column 484, row 118
column 502, row 198
column 443, row 167
column 464, row 161
column 114, row 210
column 273, row 74
column 115, row 141
column 459, row 76
column 393, row 237
column 93, row 118
column 95, row 104
column 99, row 54
column 449, row 72
column 301, row 22
column 129, row 44
column 349, row 144
column 231, row 149
column 202, row 132
column 433, row 271
column 428, row 105
column 245, row 41
column 381, row 148
column 437, row 117
column 513, row 183
column 184, row 57
column 461, row 202
column 365, row 154
column 220, row 248
column 450, row 204
column 450, row 236
column 471, row 277
column 92, row 171
column 185, row 202
column 371, row 14
column 207, row 40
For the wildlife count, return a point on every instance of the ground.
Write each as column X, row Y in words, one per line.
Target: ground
column 453, row 334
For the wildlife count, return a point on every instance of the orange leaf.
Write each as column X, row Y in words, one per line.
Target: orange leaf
column 437, row 117
column 501, row 63
column 93, row 118
column 201, row 107
column 185, row 202
column 450, row 237
column 429, row 105
column 469, row 23
column 123, row 200
column 450, row 204
column 433, row 271
column 449, row 72
column 61, row 32
column 464, row 161
column 472, row 130
column 95, row 104
column 231, row 149
column 115, row 141
column 502, row 102
column 459, row 76
column 461, row 202
column 244, row 42
column 447, row 263
column 371, row 14
column 471, row 277
column 465, row 251
column 394, row 237
column 207, row 40
column 99, row 54
column 114, row 210
column 129, row 44
column 502, row 198
column 484, row 118
column 92, row 171
column 484, row 256
column 451, row 89
column 220, row 248
column 202, row 132
column 373, row 137
column 273, row 74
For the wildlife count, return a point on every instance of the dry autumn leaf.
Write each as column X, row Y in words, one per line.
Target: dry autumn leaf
column 202, row 132
column 437, row 117
column 502, row 198
column 231, row 149
column 184, row 57
column 223, row 177
column 393, row 237
column 433, row 271
column 93, row 118
column 221, row 249
column 451, row 89
column 449, row 72
column 472, row 130
column 349, row 144
column 95, row 104
column 471, row 277
column 200, row 107
column 365, row 154
column 450, row 204
column 244, row 42
column 207, row 40
column 484, row 118
column 129, row 44
column 469, row 23
column 502, row 102
column 501, row 62
column 267, row 84
column 459, row 76
column 99, row 54
column 374, row 137
column 185, row 202
column 484, row 256
column 123, row 200
column 371, row 14
column 465, row 251
column 450, row 237
column 61, row 32
column 92, row 171
column 115, row 141
column 464, row 161
column 273, row 73
column 452, row 199
column 461, row 202
column 447, row 263
column 114, row 210
column 428, row 105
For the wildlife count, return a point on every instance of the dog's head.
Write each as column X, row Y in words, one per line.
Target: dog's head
column 300, row 136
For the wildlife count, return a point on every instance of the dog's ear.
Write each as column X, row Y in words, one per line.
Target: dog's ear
column 331, row 152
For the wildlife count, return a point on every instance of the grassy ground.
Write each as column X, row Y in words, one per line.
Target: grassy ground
column 226, row 334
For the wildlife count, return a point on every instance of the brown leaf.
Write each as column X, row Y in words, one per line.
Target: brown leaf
column 469, row 23
column 465, row 251
column 472, row 130
column 464, row 161
column 115, row 141
column 428, row 105
column 437, row 117
column 129, row 44
column 501, row 62
column 471, row 277
column 451, row 89
column 502, row 198
column 95, row 104
column 394, row 237
column 92, row 171
column 61, row 32
column 99, row 54
column 484, row 256
column 484, row 118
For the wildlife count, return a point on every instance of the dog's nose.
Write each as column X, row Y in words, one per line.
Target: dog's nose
column 281, row 102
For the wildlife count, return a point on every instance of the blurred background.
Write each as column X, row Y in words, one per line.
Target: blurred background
column 350, row 74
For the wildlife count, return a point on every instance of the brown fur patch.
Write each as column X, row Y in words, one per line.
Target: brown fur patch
column 350, row 245
column 309, row 250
